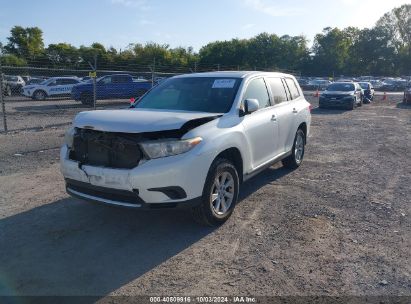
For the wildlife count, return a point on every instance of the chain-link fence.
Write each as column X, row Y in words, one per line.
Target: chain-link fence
column 35, row 97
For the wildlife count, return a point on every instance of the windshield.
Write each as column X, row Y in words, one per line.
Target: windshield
column 364, row 85
column 344, row 87
column 195, row 94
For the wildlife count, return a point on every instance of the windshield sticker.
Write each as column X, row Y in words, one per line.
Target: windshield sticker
column 223, row 83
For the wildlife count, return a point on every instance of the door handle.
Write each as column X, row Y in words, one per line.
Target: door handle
column 295, row 111
column 273, row 118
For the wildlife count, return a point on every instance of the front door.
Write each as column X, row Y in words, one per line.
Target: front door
column 261, row 126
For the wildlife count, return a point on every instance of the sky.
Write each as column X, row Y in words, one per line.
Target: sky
column 184, row 22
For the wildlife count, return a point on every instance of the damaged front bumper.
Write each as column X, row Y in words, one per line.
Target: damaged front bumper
column 165, row 182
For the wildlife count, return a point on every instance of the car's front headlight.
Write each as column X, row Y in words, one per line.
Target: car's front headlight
column 165, row 148
column 69, row 137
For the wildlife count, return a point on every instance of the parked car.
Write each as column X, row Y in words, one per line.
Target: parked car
column 119, row 86
column 34, row 80
column 317, row 84
column 377, row 84
column 15, row 83
column 394, row 85
column 190, row 141
column 368, row 91
column 52, row 87
column 346, row 95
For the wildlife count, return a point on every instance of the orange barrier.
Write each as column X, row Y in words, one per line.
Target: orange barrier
column 385, row 96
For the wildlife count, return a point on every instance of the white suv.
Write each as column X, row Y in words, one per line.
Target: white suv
column 52, row 87
column 191, row 141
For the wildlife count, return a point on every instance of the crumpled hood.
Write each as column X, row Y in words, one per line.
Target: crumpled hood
column 136, row 120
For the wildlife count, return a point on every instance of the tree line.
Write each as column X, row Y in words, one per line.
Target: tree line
column 384, row 49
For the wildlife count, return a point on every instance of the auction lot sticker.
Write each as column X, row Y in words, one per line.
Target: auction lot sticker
column 223, row 83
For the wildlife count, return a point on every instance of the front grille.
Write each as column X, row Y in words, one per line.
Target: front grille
column 106, row 149
column 121, row 196
column 337, row 97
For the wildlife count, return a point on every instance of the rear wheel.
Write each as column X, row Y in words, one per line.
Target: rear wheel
column 39, row 95
column 220, row 194
column 297, row 154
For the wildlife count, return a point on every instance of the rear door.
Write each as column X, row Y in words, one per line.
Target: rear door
column 261, row 126
column 122, row 86
column 285, row 106
column 68, row 85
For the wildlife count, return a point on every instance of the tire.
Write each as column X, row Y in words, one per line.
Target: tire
column 86, row 99
column 352, row 105
column 360, row 102
column 7, row 91
column 297, row 153
column 39, row 95
column 210, row 211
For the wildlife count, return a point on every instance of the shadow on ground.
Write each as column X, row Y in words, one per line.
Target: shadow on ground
column 70, row 247
column 327, row 111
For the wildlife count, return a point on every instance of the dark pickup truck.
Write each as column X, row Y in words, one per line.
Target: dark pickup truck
column 119, row 86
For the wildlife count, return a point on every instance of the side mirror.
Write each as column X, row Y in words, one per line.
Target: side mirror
column 251, row 106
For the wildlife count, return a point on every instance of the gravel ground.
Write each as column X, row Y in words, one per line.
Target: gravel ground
column 339, row 225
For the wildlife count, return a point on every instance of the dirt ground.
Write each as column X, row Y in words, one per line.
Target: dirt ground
column 339, row 225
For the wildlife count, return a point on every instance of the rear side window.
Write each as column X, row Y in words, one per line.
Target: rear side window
column 257, row 90
column 278, row 90
column 120, row 79
column 69, row 81
column 295, row 93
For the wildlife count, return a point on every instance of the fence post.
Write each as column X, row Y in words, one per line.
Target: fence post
column 153, row 69
column 95, row 83
column 3, row 105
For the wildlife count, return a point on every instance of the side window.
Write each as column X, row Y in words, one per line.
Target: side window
column 69, row 81
column 293, row 88
column 52, row 83
column 120, row 79
column 60, row 81
column 278, row 90
column 257, row 90
column 106, row 80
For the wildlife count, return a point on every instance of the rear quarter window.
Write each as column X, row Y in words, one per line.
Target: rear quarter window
column 295, row 93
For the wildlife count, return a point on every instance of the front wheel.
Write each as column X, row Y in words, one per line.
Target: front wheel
column 39, row 95
column 297, row 154
column 220, row 194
